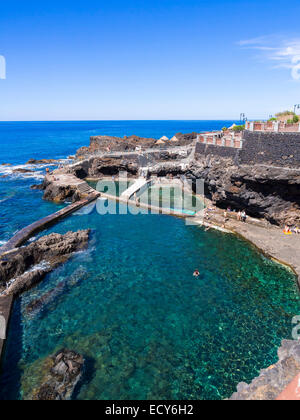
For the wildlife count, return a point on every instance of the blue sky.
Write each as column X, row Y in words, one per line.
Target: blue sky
column 179, row 59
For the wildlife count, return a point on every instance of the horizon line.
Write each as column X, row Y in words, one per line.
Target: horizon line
column 129, row 120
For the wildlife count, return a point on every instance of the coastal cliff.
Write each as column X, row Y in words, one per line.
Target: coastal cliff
column 263, row 177
column 265, row 192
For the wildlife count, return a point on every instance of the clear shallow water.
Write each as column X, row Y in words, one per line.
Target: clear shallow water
column 131, row 306
column 172, row 197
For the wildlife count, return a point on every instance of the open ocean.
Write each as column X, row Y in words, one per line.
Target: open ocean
column 130, row 304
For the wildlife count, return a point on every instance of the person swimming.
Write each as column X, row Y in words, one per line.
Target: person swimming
column 196, row 273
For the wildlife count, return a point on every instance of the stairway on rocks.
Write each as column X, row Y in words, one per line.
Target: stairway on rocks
column 84, row 188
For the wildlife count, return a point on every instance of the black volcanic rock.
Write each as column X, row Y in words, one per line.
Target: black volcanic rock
column 63, row 371
column 40, row 161
column 272, row 381
column 24, row 267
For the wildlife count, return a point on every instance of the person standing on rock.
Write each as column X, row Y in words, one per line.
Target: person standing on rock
column 243, row 216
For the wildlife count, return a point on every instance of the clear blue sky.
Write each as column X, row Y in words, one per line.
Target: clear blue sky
column 155, row 59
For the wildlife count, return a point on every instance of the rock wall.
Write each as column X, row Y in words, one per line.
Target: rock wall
column 216, row 151
column 277, row 149
column 274, row 149
column 263, row 177
column 265, row 192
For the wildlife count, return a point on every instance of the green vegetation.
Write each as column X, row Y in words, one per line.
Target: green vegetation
column 295, row 120
column 284, row 114
column 239, row 128
column 272, row 119
column 224, row 129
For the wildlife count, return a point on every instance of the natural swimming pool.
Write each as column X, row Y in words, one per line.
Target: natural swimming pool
column 146, row 327
column 164, row 196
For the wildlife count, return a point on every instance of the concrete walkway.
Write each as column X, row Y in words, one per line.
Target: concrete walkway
column 20, row 238
column 23, row 235
column 5, row 311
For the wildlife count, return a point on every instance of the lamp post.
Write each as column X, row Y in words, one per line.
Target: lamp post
column 297, row 106
column 243, row 117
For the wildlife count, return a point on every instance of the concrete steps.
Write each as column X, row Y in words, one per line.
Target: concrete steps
column 84, row 188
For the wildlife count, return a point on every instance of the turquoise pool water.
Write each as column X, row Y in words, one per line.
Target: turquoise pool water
column 172, row 197
column 147, row 328
column 163, row 196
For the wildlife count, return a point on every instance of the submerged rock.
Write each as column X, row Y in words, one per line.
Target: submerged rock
column 21, row 171
column 40, row 161
column 24, row 267
column 272, row 381
column 64, row 370
column 36, row 306
column 37, row 187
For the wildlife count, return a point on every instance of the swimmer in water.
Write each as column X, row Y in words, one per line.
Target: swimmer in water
column 196, row 273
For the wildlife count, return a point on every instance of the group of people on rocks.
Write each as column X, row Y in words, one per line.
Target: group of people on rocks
column 241, row 215
column 290, row 230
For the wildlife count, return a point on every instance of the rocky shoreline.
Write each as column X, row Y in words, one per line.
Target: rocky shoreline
column 273, row 381
column 63, row 371
column 22, row 268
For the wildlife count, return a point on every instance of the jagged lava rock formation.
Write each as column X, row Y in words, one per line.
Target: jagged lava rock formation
column 63, row 371
column 22, row 268
column 103, row 144
column 272, row 381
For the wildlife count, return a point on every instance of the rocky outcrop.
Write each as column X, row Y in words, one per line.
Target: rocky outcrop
column 38, row 187
column 22, row 268
column 60, row 193
column 108, row 143
column 272, row 381
column 265, row 192
column 63, row 371
column 41, row 161
column 104, row 144
column 106, row 166
column 21, row 171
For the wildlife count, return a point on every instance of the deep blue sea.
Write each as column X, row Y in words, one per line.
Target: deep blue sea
column 129, row 303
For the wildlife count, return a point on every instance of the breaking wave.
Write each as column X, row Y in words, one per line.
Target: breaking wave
column 43, row 265
column 36, row 171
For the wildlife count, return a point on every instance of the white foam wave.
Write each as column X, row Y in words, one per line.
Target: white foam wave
column 8, row 171
column 2, row 243
column 32, row 239
column 43, row 265
column 37, row 171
